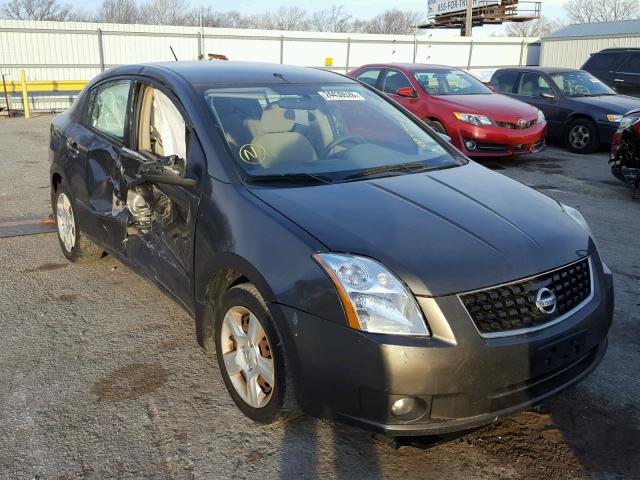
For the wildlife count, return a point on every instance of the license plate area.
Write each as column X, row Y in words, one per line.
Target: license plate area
column 559, row 353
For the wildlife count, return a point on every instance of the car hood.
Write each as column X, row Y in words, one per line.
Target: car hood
column 611, row 103
column 494, row 105
column 442, row 232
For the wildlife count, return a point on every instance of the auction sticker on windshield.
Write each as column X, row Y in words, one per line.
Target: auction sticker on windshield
column 340, row 95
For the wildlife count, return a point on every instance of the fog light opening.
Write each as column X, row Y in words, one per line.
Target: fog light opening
column 408, row 409
column 470, row 145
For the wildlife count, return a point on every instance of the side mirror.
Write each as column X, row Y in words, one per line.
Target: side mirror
column 406, row 92
column 548, row 96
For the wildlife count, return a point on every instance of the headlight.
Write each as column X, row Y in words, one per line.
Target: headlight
column 577, row 216
column 473, row 119
column 374, row 299
column 541, row 116
column 613, row 117
column 628, row 121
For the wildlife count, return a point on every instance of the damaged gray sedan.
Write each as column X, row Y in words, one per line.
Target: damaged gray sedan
column 339, row 257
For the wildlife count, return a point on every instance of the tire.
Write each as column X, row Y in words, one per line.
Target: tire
column 437, row 126
column 581, row 136
column 74, row 245
column 241, row 306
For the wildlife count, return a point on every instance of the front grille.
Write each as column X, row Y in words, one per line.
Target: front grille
column 515, row 126
column 502, row 310
column 491, row 147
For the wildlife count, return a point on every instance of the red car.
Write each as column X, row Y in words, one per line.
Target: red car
column 479, row 121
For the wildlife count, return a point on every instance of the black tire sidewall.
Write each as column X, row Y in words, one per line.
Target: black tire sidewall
column 593, row 136
column 246, row 297
column 437, row 126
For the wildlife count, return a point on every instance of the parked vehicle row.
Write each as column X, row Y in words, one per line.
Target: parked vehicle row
column 339, row 256
column 480, row 122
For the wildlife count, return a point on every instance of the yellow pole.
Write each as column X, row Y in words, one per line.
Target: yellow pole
column 25, row 95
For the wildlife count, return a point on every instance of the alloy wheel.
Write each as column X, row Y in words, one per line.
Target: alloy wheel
column 247, row 357
column 66, row 222
column 579, row 137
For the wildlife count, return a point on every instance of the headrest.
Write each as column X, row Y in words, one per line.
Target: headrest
column 277, row 120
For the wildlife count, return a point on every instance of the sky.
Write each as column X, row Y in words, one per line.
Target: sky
column 364, row 9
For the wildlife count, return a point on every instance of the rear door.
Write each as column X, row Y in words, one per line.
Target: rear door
column 603, row 66
column 627, row 77
column 97, row 143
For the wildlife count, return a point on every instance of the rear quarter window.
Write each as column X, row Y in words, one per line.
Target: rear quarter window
column 504, row 82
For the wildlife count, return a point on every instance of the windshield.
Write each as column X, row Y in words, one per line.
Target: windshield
column 449, row 82
column 324, row 132
column 580, row 84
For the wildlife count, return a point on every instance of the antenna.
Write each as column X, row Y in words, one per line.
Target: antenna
column 174, row 53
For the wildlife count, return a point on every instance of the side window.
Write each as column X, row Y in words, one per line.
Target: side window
column 504, row 82
column 533, row 85
column 602, row 61
column 631, row 64
column 108, row 108
column 393, row 80
column 162, row 130
column 370, row 77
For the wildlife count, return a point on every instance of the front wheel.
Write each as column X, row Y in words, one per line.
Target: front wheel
column 74, row 245
column 581, row 136
column 252, row 358
column 437, row 126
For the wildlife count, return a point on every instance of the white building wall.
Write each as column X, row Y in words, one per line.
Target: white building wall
column 79, row 51
column 573, row 52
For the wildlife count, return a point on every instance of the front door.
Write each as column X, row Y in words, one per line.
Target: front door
column 627, row 78
column 160, row 234
column 535, row 90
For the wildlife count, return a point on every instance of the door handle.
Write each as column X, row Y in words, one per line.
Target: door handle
column 72, row 146
column 618, row 80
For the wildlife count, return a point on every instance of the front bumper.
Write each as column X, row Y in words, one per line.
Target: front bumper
column 462, row 380
column 495, row 141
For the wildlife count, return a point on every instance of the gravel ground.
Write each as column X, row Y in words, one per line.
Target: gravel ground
column 101, row 376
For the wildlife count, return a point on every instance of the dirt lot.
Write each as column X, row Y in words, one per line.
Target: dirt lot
column 101, row 376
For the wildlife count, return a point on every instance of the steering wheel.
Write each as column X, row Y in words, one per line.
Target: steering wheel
column 358, row 140
column 581, row 90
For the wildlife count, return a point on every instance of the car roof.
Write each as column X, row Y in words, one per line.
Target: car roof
column 231, row 72
column 540, row 69
column 408, row 66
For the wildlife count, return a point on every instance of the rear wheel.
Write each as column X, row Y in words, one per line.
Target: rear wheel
column 74, row 245
column 252, row 358
column 581, row 136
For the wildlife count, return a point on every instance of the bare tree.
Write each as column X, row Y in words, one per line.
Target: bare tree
column 396, row 22
column 165, row 12
column 334, row 19
column 587, row 11
column 284, row 18
column 535, row 28
column 36, row 10
column 119, row 11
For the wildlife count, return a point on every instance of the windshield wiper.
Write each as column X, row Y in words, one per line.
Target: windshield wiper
column 402, row 167
column 290, row 177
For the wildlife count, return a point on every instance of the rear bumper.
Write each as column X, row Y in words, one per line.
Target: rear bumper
column 458, row 379
column 498, row 141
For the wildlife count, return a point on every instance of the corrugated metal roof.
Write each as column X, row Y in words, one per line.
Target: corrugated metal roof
column 598, row 29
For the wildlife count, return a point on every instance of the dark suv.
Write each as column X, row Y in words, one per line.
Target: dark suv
column 617, row 67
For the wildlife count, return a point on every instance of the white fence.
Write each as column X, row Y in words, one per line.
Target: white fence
column 79, row 51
